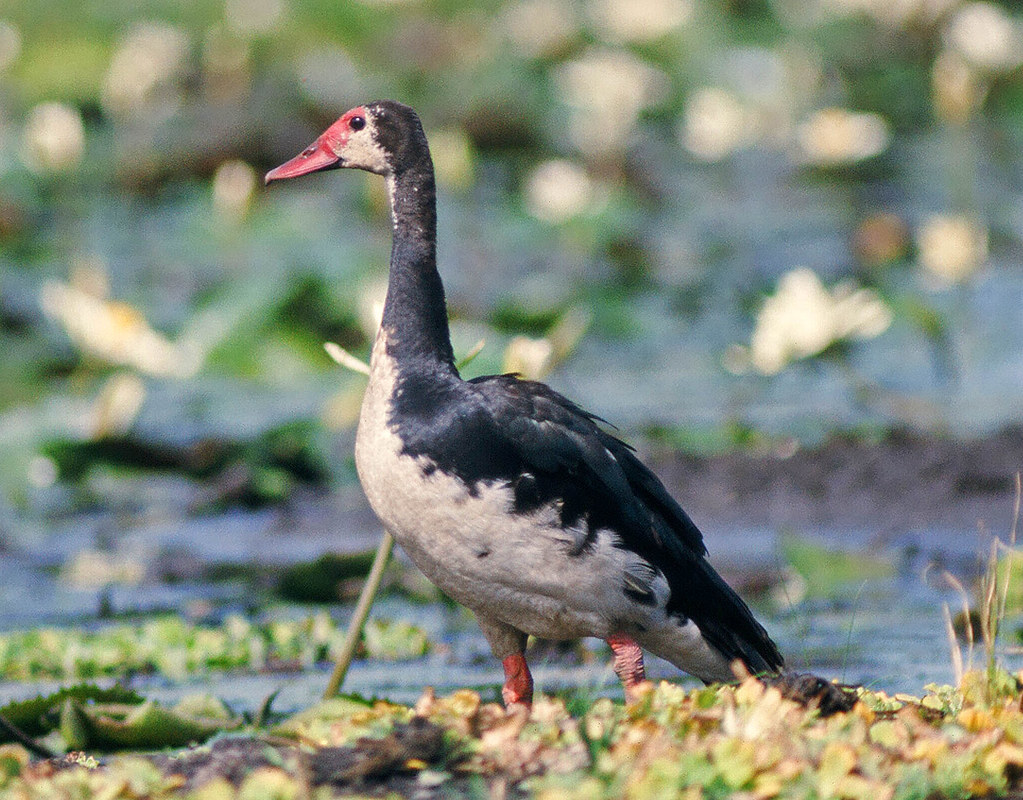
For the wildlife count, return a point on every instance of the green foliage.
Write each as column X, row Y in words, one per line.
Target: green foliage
column 319, row 581
column 731, row 435
column 172, row 647
column 828, row 571
column 1010, row 578
column 63, row 66
column 258, row 472
column 144, row 726
column 30, row 716
column 256, row 290
column 148, row 725
column 86, row 717
column 709, row 743
column 395, row 640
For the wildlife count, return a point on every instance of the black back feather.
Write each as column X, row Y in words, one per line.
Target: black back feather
column 503, row 429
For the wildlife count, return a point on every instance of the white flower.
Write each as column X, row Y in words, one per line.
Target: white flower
column 835, row 136
column 10, row 43
column 249, row 17
column 53, row 139
column 113, row 331
column 42, row 472
column 957, row 87
column 371, row 307
column 144, row 71
column 802, row 318
column 118, row 404
column 951, row 248
column 895, row 13
column 328, row 76
column 606, row 89
column 638, row 20
column 559, row 190
column 234, row 184
column 530, row 358
column 540, row 28
column 716, row 124
column 986, row 36
column 94, row 569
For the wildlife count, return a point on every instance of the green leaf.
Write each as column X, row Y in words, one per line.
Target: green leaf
column 151, row 726
column 395, row 640
column 32, row 716
column 74, row 725
column 317, row 581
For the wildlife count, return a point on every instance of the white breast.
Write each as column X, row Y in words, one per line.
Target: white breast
column 513, row 567
column 521, row 569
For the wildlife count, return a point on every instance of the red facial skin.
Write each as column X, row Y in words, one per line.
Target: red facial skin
column 321, row 154
column 518, row 682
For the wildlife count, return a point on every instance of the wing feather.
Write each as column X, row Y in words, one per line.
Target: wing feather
column 551, row 434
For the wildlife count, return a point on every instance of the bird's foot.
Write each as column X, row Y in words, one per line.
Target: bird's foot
column 628, row 664
column 518, row 682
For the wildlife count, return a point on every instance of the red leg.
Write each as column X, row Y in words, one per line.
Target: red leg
column 518, row 683
column 628, row 662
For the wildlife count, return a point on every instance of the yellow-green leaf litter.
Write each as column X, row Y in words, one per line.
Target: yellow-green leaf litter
column 745, row 741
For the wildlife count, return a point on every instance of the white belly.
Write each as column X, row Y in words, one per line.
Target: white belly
column 515, row 568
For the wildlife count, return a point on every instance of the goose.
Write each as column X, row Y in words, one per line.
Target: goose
column 508, row 496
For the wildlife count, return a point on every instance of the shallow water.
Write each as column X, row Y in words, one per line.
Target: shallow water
column 886, row 633
column 711, row 240
column 718, row 240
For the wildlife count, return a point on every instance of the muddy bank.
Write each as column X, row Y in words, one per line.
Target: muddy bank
column 903, row 482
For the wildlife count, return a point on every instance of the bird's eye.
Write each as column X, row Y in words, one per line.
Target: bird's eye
column 357, row 123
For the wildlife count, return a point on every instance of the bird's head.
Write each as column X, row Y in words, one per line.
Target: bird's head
column 382, row 137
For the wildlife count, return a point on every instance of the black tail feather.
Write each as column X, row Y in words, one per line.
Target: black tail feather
column 727, row 623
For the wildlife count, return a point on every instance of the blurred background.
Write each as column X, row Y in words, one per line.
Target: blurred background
column 741, row 230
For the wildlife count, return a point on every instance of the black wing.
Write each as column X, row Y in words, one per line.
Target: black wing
column 548, row 449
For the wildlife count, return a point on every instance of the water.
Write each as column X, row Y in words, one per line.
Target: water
column 710, row 241
column 887, row 633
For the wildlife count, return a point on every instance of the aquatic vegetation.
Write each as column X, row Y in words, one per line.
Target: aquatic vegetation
column 394, row 640
column 826, row 571
column 234, row 188
column 113, row 331
column 557, row 191
column 174, row 648
column 54, row 138
column 952, row 247
column 760, row 135
column 835, row 136
column 35, row 716
column 803, row 318
column 320, row 581
column 255, row 472
column 744, row 140
column 119, row 726
column 711, row 742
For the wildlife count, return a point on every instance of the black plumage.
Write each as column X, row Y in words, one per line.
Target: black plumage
column 549, row 450
column 571, row 495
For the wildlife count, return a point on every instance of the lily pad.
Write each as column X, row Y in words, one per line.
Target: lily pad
column 34, row 717
column 149, row 725
column 117, row 719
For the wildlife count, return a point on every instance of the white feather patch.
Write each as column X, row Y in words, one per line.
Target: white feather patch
column 518, row 569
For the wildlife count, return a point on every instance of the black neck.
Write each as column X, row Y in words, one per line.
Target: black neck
column 415, row 315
